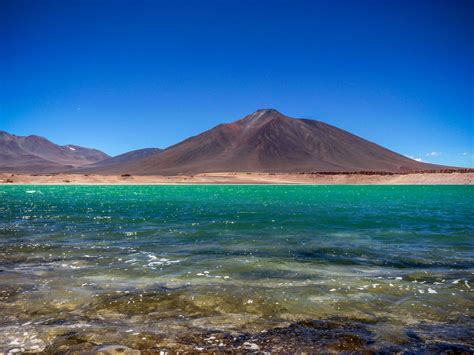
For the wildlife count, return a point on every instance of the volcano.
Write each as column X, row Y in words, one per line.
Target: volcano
column 268, row 141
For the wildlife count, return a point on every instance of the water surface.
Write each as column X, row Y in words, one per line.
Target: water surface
column 282, row 268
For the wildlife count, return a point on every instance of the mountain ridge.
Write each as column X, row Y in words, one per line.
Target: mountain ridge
column 268, row 141
column 263, row 141
column 36, row 154
column 119, row 159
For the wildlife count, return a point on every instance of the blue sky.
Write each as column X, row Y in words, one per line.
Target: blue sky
column 122, row 75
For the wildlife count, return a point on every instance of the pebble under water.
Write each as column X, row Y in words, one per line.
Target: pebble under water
column 236, row 268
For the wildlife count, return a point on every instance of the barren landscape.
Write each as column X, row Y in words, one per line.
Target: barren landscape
column 451, row 178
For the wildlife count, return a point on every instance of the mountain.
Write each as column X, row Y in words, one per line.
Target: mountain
column 268, row 141
column 119, row 159
column 35, row 154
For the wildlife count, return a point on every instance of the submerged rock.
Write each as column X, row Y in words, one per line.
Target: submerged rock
column 116, row 350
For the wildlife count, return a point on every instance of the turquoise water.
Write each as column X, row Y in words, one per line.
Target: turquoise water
column 280, row 268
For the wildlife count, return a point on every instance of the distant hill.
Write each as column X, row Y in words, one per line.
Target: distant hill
column 119, row 159
column 35, row 154
column 268, row 141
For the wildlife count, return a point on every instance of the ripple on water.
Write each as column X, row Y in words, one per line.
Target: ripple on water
column 244, row 268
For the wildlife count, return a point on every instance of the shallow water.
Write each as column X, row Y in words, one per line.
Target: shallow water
column 282, row 268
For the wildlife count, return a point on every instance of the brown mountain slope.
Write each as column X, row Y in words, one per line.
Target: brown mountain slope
column 34, row 154
column 119, row 159
column 268, row 141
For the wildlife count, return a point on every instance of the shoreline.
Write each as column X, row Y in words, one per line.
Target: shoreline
column 242, row 178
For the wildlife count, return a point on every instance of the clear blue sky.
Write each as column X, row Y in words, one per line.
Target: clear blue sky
column 121, row 75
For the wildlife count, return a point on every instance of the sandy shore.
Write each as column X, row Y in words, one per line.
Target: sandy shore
column 243, row 178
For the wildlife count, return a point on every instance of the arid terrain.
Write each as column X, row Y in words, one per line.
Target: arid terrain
column 450, row 178
column 35, row 154
column 265, row 141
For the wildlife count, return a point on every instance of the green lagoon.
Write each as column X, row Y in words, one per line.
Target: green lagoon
column 243, row 268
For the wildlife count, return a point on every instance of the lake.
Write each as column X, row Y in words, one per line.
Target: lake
column 233, row 267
